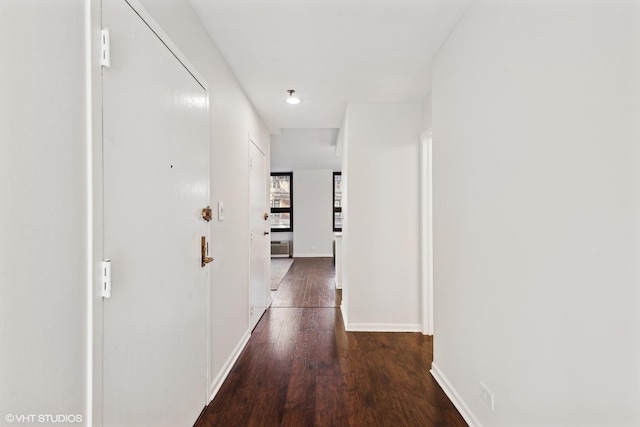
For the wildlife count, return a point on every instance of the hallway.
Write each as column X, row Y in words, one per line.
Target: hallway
column 300, row 367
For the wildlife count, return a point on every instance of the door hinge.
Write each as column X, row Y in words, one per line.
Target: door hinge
column 105, row 48
column 106, row 278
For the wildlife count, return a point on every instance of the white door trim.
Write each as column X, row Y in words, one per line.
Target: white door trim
column 426, row 221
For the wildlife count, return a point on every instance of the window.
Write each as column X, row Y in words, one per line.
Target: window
column 337, row 201
column 282, row 201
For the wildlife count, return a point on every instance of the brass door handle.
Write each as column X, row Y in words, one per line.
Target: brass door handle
column 204, row 251
column 207, row 214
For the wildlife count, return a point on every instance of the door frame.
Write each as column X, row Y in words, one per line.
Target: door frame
column 426, row 225
column 95, row 207
column 269, row 299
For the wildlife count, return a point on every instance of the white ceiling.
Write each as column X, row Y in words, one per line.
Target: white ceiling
column 331, row 52
column 299, row 149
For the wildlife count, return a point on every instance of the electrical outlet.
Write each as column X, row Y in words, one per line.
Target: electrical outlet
column 486, row 395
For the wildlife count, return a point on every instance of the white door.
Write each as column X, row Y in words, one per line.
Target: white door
column 156, row 183
column 259, row 228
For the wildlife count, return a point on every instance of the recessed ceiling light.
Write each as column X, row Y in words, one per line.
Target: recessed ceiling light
column 292, row 99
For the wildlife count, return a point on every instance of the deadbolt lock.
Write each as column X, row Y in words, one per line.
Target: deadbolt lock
column 266, row 216
column 204, row 251
column 207, row 214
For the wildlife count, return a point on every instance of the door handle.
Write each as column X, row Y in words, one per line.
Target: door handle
column 207, row 214
column 266, row 232
column 204, row 251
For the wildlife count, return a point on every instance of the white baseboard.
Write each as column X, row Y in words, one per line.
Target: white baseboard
column 270, row 300
column 338, row 284
column 377, row 327
column 453, row 395
column 214, row 387
column 313, row 255
column 382, row 327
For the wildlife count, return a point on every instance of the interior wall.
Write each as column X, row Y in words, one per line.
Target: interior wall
column 427, row 113
column 233, row 121
column 43, row 220
column 313, row 213
column 382, row 230
column 537, row 213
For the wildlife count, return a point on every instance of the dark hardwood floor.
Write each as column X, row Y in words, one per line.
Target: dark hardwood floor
column 310, row 282
column 300, row 368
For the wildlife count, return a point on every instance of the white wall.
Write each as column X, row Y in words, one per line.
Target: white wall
column 43, row 214
column 537, row 212
column 382, row 228
column 427, row 113
column 313, row 213
column 233, row 119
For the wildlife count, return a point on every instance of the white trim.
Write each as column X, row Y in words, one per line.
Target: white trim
column 313, row 255
column 95, row 330
column 383, row 327
column 92, row 345
column 249, row 165
column 453, row 395
column 215, row 385
column 426, row 225
column 338, row 284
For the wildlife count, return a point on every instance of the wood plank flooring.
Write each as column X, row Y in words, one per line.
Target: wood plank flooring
column 310, row 282
column 300, row 368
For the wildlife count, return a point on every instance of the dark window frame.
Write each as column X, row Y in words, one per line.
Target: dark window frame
column 289, row 209
column 336, row 209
